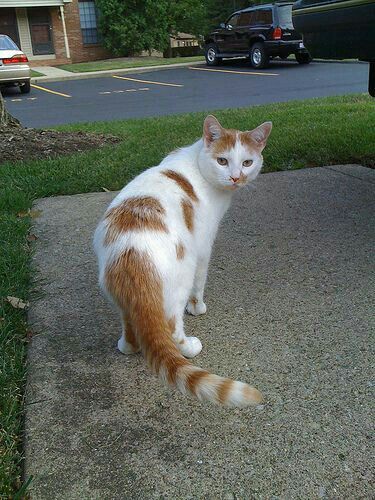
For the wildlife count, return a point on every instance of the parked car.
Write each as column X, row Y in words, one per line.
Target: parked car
column 259, row 33
column 338, row 30
column 14, row 68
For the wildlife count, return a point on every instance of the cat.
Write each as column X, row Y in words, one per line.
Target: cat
column 154, row 245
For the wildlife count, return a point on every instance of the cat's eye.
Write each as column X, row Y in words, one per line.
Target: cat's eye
column 222, row 161
column 247, row 163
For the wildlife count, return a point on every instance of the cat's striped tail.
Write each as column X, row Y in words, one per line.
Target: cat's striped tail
column 137, row 289
column 165, row 360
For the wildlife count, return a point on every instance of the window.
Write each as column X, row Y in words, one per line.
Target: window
column 88, row 19
column 233, row 21
column 246, row 18
column 7, row 44
column 285, row 16
column 264, row 17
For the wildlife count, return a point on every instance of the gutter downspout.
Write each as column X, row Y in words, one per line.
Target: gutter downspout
column 67, row 50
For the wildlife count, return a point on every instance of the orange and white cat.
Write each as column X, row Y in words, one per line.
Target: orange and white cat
column 154, row 245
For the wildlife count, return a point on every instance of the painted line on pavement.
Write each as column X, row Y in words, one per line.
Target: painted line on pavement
column 147, row 81
column 19, row 99
column 236, row 72
column 123, row 91
column 50, row 91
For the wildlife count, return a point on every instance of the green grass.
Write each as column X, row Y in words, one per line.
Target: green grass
column 127, row 62
column 306, row 133
column 36, row 73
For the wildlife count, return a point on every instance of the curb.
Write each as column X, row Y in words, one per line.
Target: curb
column 98, row 74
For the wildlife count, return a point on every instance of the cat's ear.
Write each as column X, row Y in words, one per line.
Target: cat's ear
column 261, row 133
column 212, row 130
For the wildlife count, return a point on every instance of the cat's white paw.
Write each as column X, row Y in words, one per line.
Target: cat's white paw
column 124, row 346
column 196, row 308
column 191, row 347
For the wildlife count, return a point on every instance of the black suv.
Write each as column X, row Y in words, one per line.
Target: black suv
column 259, row 33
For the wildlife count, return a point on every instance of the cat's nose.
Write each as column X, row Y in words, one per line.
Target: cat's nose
column 235, row 179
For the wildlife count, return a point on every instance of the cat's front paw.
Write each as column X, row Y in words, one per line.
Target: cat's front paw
column 195, row 307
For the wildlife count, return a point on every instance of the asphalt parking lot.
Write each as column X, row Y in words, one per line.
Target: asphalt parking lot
column 181, row 90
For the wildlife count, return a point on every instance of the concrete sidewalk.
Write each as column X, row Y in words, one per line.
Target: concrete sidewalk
column 53, row 74
column 290, row 309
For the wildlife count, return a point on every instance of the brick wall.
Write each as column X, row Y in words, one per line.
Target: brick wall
column 78, row 51
column 58, row 40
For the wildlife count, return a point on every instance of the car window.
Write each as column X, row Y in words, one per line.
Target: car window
column 246, row 18
column 284, row 13
column 7, row 44
column 263, row 17
column 233, row 21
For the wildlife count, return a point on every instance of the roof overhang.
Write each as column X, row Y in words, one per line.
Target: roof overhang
column 33, row 3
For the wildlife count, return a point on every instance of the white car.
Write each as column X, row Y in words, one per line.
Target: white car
column 14, row 68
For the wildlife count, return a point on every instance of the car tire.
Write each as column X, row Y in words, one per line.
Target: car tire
column 210, row 54
column 303, row 58
column 258, row 56
column 25, row 87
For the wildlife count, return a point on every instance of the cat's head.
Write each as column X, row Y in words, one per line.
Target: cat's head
column 231, row 158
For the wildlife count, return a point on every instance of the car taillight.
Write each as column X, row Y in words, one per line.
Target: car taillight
column 18, row 58
column 277, row 34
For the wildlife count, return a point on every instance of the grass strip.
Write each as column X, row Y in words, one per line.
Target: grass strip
column 128, row 62
column 316, row 132
column 35, row 73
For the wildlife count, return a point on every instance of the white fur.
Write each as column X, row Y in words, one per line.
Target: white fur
column 214, row 187
column 124, row 346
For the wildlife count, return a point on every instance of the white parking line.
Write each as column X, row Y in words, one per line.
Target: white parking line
column 147, row 81
column 141, row 89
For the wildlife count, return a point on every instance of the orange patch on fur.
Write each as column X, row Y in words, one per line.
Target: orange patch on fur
column 172, row 324
column 136, row 287
column 130, row 335
column 193, row 301
column 242, row 179
column 180, row 251
column 225, row 142
column 135, row 214
column 248, row 141
column 224, row 390
column 252, row 394
column 184, row 184
column 188, row 212
column 194, row 378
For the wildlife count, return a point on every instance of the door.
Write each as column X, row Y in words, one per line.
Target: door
column 227, row 36
column 40, row 31
column 243, row 32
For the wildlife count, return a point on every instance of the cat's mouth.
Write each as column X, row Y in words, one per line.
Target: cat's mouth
column 231, row 187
